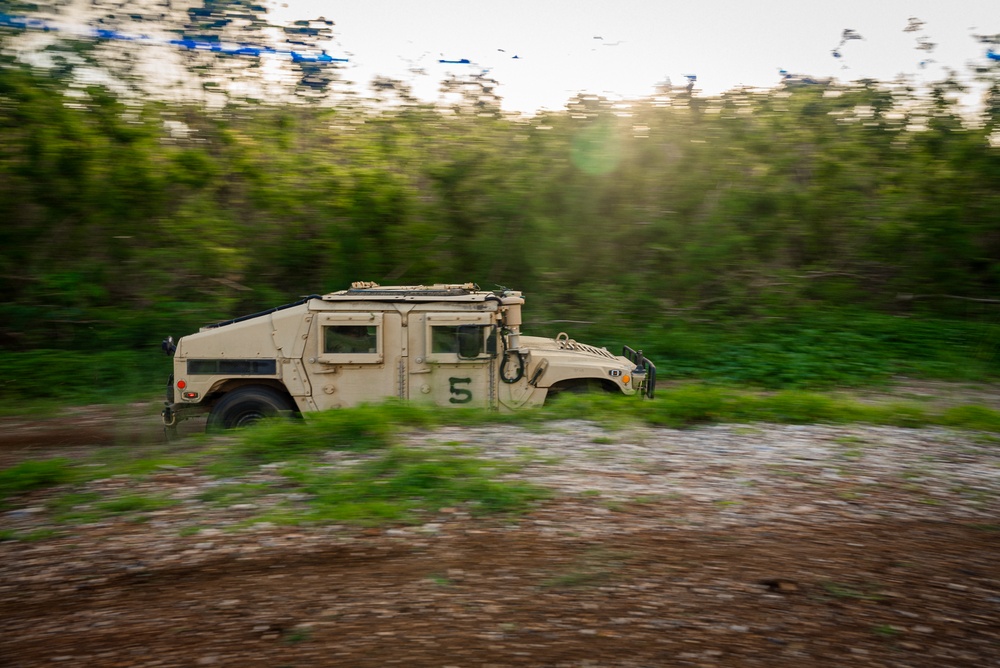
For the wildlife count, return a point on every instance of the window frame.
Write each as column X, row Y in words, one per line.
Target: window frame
column 482, row 320
column 350, row 320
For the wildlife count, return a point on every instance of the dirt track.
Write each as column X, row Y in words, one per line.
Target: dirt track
column 890, row 557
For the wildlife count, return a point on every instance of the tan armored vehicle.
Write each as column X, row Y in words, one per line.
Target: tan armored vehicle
column 450, row 345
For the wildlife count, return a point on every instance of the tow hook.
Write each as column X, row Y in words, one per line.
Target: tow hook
column 169, row 416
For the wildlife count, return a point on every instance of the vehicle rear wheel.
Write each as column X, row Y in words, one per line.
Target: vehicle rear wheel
column 247, row 406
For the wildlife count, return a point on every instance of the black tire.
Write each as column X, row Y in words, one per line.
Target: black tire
column 247, row 406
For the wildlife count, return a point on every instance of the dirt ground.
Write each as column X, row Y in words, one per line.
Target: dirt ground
column 573, row 583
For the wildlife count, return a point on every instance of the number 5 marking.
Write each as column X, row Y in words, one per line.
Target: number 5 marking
column 462, row 395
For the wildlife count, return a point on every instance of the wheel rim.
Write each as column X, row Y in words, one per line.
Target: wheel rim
column 247, row 417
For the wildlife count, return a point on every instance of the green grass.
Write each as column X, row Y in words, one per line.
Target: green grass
column 406, row 485
column 820, row 348
column 134, row 503
column 28, row 536
column 233, row 493
column 388, row 483
column 805, row 347
column 42, row 379
column 31, row 475
column 594, row 566
column 695, row 404
column 839, row 590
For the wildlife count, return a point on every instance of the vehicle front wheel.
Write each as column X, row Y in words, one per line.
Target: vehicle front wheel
column 247, row 406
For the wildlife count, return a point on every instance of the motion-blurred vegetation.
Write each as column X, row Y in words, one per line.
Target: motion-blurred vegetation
column 813, row 234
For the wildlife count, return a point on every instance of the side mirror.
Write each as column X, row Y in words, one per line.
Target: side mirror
column 168, row 346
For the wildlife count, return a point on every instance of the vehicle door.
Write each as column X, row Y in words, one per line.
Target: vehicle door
column 453, row 359
column 357, row 357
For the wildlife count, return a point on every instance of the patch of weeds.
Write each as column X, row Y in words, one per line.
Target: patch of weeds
column 530, row 455
column 189, row 531
column 37, row 474
column 593, row 567
column 931, row 501
column 360, row 429
column 67, row 503
column 694, row 404
column 282, row 514
column 843, row 591
column 440, row 580
column 233, row 493
column 647, row 499
column 298, row 634
column 134, row 503
column 577, row 578
column 777, row 469
column 39, row 534
column 602, row 440
column 28, row 537
column 75, row 507
column 400, row 484
column 724, row 503
column 886, row 631
column 131, row 461
column 974, row 417
column 590, row 492
column 989, row 528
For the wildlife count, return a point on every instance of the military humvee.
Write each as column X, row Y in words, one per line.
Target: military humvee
column 451, row 345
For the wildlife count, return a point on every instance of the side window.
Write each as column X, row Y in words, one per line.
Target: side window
column 350, row 339
column 466, row 341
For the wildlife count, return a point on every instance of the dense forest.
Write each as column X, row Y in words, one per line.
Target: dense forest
column 756, row 229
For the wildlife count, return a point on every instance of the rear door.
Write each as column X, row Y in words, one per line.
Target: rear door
column 357, row 357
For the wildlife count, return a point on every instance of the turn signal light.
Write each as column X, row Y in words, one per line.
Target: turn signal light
column 626, row 379
column 190, row 395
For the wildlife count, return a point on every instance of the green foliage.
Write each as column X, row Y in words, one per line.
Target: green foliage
column 134, row 503
column 64, row 376
column 694, row 404
column 837, row 347
column 31, row 475
column 403, row 484
column 802, row 237
column 972, row 417
column 233, row 493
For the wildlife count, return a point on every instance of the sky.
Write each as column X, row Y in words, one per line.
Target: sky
column 623, row 49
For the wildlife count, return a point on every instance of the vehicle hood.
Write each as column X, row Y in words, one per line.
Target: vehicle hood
column 572, row 350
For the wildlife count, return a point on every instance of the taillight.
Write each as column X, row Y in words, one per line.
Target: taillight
column 181, row 384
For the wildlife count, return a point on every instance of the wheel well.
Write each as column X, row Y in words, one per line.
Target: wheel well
column 224, row 387
column 583, row 385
